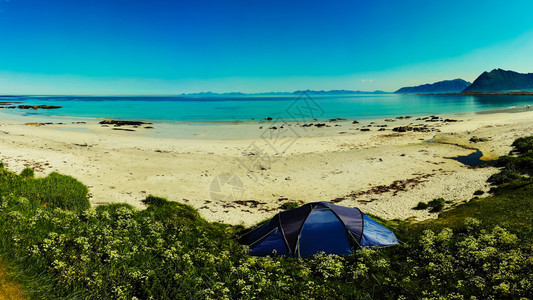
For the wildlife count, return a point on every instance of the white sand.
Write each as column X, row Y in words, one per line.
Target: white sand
column 321, row 164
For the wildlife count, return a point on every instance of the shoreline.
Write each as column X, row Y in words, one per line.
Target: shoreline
column 385, row 173
column 196, row 130
column 490, row 93
column 48, row 115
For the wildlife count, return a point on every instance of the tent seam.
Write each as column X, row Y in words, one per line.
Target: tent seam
column 300, row 231
column 283, row 235
column 261, row 238
column 362, row 227
column 346, row 227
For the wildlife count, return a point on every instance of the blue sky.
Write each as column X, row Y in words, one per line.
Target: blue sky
column 170, row 47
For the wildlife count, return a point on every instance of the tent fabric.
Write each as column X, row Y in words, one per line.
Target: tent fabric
column 376, row 235
column 272, row 243
column 317, row 227
column 262, row 231
column 291, row 222
column 323, row 231
column 352, row 219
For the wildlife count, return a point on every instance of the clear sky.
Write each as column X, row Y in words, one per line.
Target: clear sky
column 171, row 47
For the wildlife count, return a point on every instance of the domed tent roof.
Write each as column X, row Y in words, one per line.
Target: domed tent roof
column 317, row 227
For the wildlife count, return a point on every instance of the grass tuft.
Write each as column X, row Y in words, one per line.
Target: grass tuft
column 421, row 206
column 479, row 193
column 289, row 205
column 55, row 190
column 155, row 201
column 436, row 205
column 27, row 172
column 523, row 145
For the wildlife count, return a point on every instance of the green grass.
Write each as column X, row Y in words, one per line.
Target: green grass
column 58, row 247
column 510, row 207
column 437, row 205
column 523, row 145
column 511, row 203
column 289, row 205
column 9, row 289
column 434, row 205
column 421, row 206
column 55, row 190
column 27, row 172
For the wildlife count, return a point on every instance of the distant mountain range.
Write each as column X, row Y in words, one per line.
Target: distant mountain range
column 495, row 81
column 499, row 80
column 310, row 92
column 446, row 86
column 337, row 92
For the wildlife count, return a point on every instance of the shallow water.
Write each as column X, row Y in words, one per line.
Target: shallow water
column 248, row 108
column 472, row 160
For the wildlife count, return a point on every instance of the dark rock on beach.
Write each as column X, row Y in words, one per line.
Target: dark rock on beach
column 432, row 119
column 402, row 129
column 411, row 128
column 122, row 123
column 124, row 129
column 475, row 139
column 421, row 129
column 42, row 124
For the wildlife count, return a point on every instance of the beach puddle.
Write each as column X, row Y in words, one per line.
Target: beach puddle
column 472, row 160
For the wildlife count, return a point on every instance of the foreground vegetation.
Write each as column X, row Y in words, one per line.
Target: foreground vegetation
column 9, row 289
column 59, row 247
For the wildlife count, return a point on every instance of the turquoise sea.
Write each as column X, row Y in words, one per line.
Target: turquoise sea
column 251, row 107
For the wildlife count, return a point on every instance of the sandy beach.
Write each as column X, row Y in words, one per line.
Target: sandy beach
column 241, row 173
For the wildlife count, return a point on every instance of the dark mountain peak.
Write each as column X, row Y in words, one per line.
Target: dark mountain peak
column 501, row 70
column 445, row 86
column 499, row 80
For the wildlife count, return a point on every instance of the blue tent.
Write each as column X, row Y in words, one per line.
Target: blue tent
column 317, row 227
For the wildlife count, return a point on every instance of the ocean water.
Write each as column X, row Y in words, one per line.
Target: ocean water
column 249, row 108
